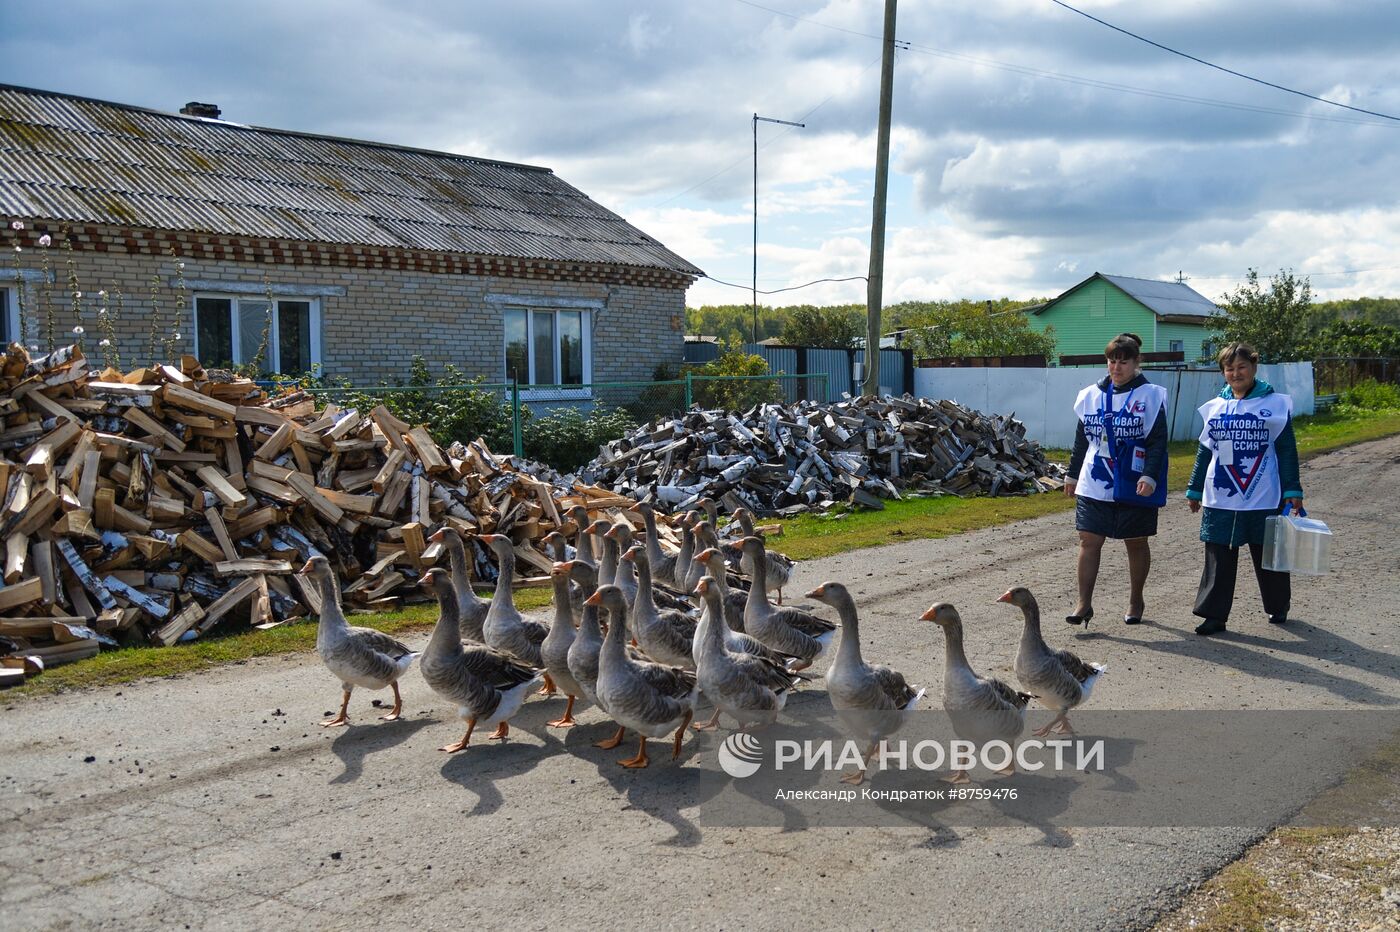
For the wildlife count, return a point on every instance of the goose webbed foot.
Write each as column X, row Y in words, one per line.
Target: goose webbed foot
column 567, row 719
column 501, row 733
column 461, row 745
column 710, row 725
column 680, row 734
column 612, row 742
column 1059, row 725
column 957, row 776
column 640, row 761
column 393, row 714
column 548, row 689
column 855, row 778
column 343, row 718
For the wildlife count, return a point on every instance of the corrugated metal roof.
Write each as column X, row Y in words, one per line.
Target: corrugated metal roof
column 1164, row 297
column 72, row 159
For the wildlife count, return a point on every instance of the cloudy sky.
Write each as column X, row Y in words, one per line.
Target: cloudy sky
column 1031, row 146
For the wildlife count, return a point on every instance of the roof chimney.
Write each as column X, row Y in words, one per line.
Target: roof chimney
column 196, row 109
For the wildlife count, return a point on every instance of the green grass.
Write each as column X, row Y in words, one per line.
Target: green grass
column 111, row 668
column 804, row 538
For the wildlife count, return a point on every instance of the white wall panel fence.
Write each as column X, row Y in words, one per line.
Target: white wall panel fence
column 1044, row 398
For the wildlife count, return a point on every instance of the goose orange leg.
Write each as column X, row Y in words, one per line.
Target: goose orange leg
column 1053, row 724
column 640, row 761
column 680, row 733
column 711, row 724
column 612, row 742
column 567, row 719
column 393, row 715
column 548, row 688
column 342, row 718
column 466, row 739
column 501, row 733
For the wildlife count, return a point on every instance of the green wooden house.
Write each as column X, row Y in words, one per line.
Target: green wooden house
column 1167, row 315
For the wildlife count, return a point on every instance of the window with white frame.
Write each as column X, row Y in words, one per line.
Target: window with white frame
column 229, row 332
column 1177, row 346
column 548, row 346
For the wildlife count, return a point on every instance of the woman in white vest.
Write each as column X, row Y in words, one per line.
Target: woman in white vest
column 1118, row 472
column 1246, row 467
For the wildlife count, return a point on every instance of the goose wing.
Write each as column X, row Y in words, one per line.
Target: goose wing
column 1075, row 667
column 767, row 672
column 892, row 684
column 495, row 667
column 1005, row 694
column 805, row 622
column 668, row 681
column 535, row 631
column 374, row 640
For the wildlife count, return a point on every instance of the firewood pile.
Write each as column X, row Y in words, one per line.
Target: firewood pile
column 154, row 505
column 776, row 459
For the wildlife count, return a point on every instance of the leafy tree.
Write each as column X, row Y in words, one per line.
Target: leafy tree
column 734, row 322
column 969, row 328
column 734, row 395
column 1355, row 338
column 1276, row 322
column 839, row 326
column 1370, row 310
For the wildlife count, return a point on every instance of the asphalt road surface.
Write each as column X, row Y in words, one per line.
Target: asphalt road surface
column 215, row 800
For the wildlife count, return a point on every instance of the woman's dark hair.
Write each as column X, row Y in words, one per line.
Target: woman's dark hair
column 1233, row 352
column 1125, row 346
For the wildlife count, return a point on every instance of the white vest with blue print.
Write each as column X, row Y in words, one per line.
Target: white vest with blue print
column 1240, row 434
column 1134, row 412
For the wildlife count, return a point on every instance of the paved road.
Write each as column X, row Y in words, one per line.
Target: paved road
column 216, row 801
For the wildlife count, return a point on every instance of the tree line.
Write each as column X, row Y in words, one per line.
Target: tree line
column 1277, row 315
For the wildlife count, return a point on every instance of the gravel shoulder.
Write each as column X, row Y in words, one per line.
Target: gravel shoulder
column 216, row 801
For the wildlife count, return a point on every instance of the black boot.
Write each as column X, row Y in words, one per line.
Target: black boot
column 1280, row 619
column 1211, row 626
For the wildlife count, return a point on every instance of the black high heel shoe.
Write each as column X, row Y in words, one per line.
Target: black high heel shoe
column 1080, row 619
column 1131, row 619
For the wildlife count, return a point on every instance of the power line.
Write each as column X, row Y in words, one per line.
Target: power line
column 807, row 284
column 1238, row 74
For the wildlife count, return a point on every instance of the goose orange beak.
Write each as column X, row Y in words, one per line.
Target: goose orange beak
column 594, row 599
column 816, row 593
column 928, row 615
column 702, row 587
column 1005, row 596
column 305, row 569
column 438, row 536
column 488, row 538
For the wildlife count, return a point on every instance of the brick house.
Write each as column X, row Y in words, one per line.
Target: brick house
column 368, row 253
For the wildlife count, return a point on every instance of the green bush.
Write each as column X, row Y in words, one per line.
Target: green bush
column 735, row 395
column 1371, row 395
column 452, row 406
column 567, row 437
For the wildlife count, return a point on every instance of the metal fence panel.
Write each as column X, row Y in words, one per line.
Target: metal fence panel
column 836, row 365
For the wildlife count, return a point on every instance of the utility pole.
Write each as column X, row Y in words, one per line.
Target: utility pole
column 756, row 120
column 873, row 288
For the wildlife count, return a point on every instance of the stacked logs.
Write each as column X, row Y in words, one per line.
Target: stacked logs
column 777, row 459
column 153, row 506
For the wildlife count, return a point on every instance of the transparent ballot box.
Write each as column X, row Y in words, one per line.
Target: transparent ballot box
column 1297, row 544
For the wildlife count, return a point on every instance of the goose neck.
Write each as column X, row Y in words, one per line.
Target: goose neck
column 956, row 657
column 446, row 638
column 848, row 652
column 506, row 579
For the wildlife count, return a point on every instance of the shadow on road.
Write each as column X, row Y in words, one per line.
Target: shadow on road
column 1248, row 652
column 357, row 742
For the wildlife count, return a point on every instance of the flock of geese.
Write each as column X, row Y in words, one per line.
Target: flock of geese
column 625, row 638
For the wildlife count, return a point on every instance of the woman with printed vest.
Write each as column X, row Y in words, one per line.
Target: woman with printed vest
column 1118, row 472
column 1246, row 466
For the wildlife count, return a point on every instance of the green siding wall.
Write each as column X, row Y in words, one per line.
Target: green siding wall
column 1191, row 336
column 1085, row 321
